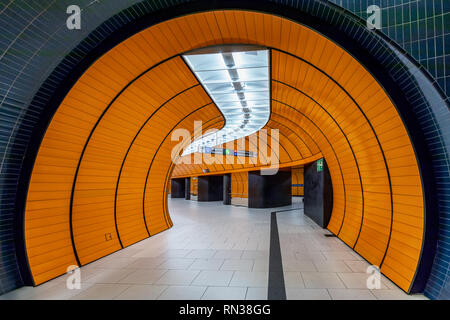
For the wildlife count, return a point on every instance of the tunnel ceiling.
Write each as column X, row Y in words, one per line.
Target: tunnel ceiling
column 108, row 149
column 237, row 80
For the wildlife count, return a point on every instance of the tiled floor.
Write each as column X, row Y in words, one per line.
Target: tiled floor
column 222, row 252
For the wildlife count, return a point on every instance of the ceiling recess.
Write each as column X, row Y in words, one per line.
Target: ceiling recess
column 237, row 79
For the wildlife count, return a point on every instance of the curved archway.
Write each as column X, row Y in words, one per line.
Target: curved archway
column 354, row 104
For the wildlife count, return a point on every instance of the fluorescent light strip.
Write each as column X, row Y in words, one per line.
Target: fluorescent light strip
column 238, row 83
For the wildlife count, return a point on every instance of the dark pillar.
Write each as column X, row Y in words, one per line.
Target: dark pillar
column 318, row 192
column 177, row 188
column 269, row 191
column 210, row 188
column 187, row 188
column 227, row 189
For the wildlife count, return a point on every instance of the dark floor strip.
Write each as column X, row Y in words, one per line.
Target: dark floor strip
column 293, row 209
column 276, row 290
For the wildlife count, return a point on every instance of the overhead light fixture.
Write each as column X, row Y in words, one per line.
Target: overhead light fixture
column 238, row 82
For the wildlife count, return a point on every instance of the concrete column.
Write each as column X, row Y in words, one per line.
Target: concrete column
column 227, row 189
column 318, row 198
column 210, row 188
column 187, row 188
column 178, row 188
column 269, row 191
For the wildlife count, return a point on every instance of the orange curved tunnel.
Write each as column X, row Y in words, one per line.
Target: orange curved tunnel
column 100, row 179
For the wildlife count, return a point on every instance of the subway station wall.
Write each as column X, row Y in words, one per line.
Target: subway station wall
column 194, row 186
column 177, row 188
column 378, row 201
column 239, row 185
column 108, row 151
column 306, row 5
column 298, row 181
column 418, row 26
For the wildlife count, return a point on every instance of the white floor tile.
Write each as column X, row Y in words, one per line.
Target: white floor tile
column 357, row 280
column 388, row 294
column 178, row 277
column 238, row 265
column 141, row 292
column 57, row 291
column 316, row 280
column 351, row 294
column 307, row 294
column 332, row 266
column 357, row 265
column 201, row 254
column 143, row 276
column 298, row 265
column 147, row 263
column 175, row 253
column 107, row 276
column 249, row 279
column 261, row 265
column 113, row 262
column 228, row 254
column 182, row 293
column 176, row 264
column 101, row 291
column 255, row 254
column 340, row 255
column 206, row 264
column 213, row 278
column 256, row 294
column 314, row 256
column 293, row 280
column 224, row 293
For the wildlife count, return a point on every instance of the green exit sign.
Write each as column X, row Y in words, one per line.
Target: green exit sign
column 319, row 165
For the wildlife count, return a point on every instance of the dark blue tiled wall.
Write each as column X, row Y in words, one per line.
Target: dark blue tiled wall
column 33, row 42
column 422, row 28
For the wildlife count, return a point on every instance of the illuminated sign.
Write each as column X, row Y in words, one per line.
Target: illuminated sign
column 319, row 165
column 227, row 152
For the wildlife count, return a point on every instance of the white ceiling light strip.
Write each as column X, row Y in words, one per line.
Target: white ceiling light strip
column 238, row 83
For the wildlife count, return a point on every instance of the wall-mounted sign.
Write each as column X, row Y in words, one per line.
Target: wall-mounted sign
column 319, row 165
column 227, row 152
